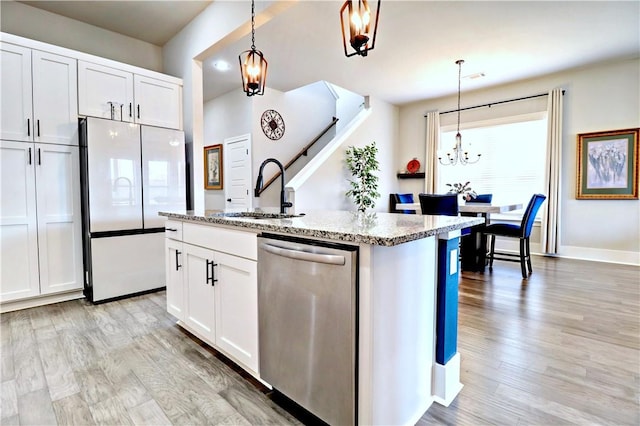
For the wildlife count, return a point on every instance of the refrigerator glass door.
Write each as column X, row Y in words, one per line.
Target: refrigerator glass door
column 115, row 182
column 163, row 173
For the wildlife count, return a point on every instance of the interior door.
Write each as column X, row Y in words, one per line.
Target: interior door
column 237, row 173
column 114, row 175
column 163, row 173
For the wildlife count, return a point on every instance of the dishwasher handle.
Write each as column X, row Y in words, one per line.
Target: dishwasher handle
column 330, row 259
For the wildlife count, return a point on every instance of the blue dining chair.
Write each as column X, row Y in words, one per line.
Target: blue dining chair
column 522, row 232
column 440, row 204
column 481, row 198
column 400, row 198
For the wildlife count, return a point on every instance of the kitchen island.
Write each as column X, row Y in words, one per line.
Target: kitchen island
column 405, row 264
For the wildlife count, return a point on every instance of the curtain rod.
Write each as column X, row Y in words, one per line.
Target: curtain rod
column 497, row 103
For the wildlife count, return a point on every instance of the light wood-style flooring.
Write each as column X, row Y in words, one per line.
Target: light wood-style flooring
column 562, row 347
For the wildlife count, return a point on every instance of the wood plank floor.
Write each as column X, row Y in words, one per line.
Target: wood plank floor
column 560, row 348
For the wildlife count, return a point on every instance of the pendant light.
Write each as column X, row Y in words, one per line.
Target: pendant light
column 253, row 66
column 356, row 25
column 458, row 155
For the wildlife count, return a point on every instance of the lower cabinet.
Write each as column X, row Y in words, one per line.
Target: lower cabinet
column 214, row 294
column 40, row 220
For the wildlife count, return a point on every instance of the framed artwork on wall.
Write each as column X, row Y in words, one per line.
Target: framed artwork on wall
column 213, row 167
column 607, row 165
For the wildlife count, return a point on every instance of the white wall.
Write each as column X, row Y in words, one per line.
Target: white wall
column 326, row 189
column 36, row 24
column 597, row 98
column 348, row 105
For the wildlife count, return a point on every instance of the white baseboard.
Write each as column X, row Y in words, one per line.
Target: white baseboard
column 40, row 301
column 573, row 252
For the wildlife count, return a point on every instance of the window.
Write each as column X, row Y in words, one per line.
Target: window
column 512, row 166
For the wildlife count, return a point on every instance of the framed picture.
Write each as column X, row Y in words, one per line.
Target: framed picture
column 213, row 167
column 608, row 165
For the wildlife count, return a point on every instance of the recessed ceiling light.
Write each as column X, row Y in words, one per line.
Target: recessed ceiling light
column 222, row 65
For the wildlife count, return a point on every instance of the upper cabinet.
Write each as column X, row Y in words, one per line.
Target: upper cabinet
column 39, row 96
column 120, row 95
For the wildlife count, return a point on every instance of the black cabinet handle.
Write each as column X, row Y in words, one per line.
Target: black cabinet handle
column 29, row 156
column 171, row 229
column 229, row 199
column 130, row 109
column 29, row 129
column 138, row 110
column 38, row 122
column 211, row 277
column 39, row 157
column 178, row 265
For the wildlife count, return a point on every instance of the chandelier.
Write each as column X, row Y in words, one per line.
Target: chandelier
column 253, row 67
column 459, row 155
column 357, row 25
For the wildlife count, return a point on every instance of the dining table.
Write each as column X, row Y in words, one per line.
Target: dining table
column 473, row 247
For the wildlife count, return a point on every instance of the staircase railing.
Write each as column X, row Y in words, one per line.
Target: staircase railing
column 302, row 152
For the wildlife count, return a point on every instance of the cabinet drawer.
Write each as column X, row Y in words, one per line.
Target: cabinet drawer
column 238, row 243
column 173, row 229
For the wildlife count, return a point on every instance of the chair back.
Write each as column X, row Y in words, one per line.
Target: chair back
column 530, row 214
column 481, row 198
column 400, row 198
column 442, row 204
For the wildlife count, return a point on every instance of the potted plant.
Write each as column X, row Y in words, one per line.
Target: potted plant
column 463, row 189
column 362, row 162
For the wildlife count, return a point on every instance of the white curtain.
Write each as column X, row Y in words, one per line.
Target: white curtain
column 431, row 151
column 550, row 234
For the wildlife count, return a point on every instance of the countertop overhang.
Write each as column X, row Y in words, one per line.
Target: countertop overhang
column 375, row 228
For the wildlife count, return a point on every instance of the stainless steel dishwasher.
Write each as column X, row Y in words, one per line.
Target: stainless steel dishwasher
column 307, row 304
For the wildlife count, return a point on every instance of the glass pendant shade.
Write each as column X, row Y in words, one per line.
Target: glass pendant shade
column 253, row 67
column 356, row 23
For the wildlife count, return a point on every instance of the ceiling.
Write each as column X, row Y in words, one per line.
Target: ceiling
column 417, row 45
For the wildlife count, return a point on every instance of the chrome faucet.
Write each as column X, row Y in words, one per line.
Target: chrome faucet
column 283, row 204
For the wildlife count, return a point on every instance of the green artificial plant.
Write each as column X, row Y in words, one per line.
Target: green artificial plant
column 362, row 162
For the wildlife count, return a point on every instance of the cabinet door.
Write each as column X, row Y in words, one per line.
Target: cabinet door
column 59, row 217
column 158, row 103
column 237, row 308
column 198, row 276
column 16, row 114
column 103, row 91
column 55, row 99
column 174, row 257
column 18, row 226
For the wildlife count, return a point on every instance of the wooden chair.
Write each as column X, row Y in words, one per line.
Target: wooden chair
column 522, row 232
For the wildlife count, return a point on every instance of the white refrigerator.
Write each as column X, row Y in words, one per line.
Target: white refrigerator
column 129, row 173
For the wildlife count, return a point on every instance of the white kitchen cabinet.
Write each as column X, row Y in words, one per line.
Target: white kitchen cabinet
column 174, row 267
column 199, row 271
column 212, row 287
column 236, row 308
column 158, row 103
column 40, row 219
column 102, row 88
column 108, row 92
column 39, row 96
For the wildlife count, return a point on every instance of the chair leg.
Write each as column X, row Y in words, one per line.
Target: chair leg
column 529, row 256
column 491, row 251
column 523, row 261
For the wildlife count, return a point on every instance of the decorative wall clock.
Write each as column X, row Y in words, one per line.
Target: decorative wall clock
column 272, row 124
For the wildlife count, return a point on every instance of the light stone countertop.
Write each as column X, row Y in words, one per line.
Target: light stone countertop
column 383, row 229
